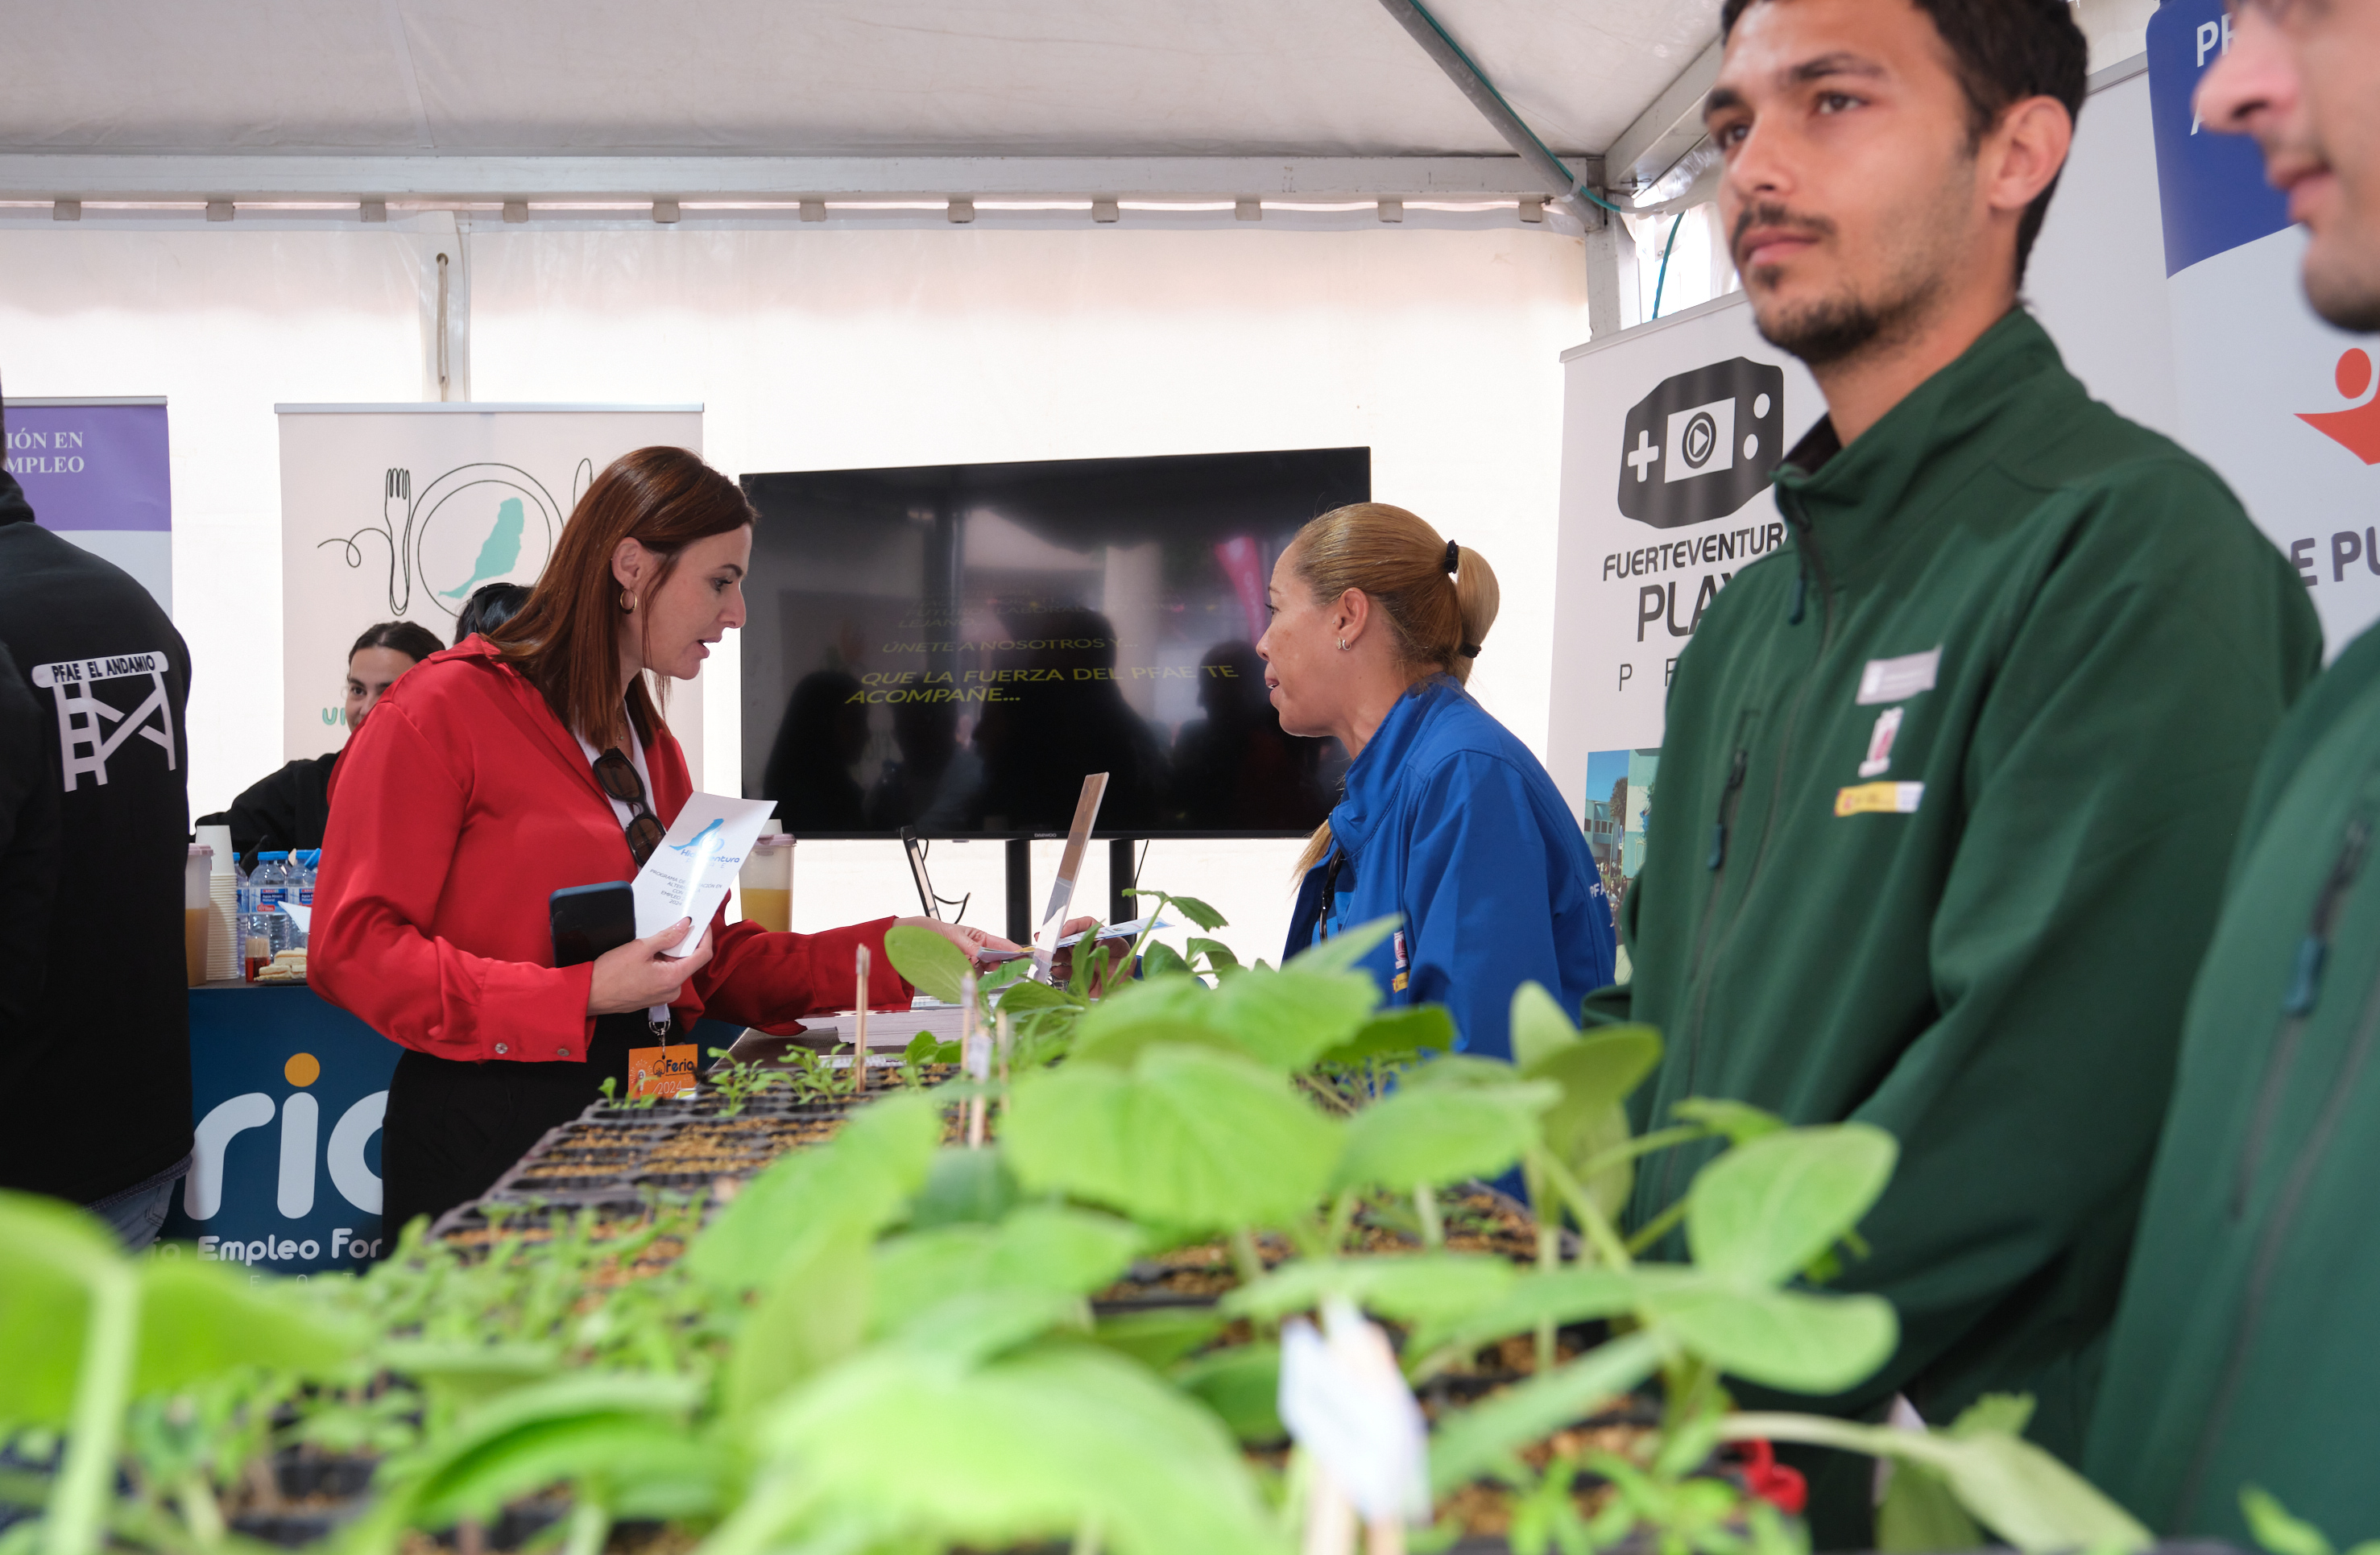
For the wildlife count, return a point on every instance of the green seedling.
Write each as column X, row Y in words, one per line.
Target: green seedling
column 766, row 1373
column 738, row 1082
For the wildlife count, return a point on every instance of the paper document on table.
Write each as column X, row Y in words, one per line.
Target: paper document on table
column 689, row 873
column 1130, row 928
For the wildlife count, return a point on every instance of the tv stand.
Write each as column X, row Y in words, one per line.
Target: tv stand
column 1121, row 908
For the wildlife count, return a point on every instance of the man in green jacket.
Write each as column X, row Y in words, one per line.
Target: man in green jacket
column 2245, row 1352
column 1947, row 784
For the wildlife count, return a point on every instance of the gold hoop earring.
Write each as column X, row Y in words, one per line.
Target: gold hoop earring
column 627, row 601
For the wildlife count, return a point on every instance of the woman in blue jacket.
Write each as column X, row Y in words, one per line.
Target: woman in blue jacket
column 1449, row 823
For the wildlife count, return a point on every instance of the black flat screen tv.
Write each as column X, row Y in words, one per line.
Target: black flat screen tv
column 951, row 647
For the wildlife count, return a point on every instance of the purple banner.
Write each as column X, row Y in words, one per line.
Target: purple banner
column 92, row 466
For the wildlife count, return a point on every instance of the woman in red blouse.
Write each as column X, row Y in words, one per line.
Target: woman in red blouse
column 498, row 772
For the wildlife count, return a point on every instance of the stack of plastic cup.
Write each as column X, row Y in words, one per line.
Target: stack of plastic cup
column 198, row 907
column 223, row 905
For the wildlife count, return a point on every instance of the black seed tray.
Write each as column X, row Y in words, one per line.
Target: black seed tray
column 685, row 1182
column 602, row 1160
column 300, row 1475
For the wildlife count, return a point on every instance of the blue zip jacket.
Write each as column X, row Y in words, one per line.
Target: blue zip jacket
column 1453, row 825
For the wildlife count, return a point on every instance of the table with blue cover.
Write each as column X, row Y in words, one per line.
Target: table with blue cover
column 286, row 1093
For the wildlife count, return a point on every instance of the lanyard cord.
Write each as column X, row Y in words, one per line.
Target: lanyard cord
column 1330, row 890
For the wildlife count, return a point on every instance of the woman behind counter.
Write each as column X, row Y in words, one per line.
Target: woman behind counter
column 289, row 809
column 500, row 772
column 1449, row 823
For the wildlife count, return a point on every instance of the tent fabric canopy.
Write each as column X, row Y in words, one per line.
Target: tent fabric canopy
column 825, row 78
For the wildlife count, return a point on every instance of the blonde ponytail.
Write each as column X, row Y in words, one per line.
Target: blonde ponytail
column 1476, row 602
column 1439, row 598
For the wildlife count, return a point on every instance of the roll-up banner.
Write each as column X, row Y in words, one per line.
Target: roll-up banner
column 96, row 471
column 399, row 512
column 1669, row 431
column 2285, row 407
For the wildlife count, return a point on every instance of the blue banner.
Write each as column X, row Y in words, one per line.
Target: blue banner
column 2211, row 187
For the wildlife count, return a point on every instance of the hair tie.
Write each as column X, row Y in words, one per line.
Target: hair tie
column 1469, row 651
column 1453, row 556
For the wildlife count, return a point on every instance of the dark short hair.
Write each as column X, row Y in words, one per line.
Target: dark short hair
column 415, row 642
column 490, row 606
column 2004, row 51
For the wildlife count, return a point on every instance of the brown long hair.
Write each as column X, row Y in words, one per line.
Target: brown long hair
column 1437, row 612
column 565, row 638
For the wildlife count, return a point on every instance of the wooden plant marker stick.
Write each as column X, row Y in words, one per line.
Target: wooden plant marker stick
column 970, row 1041
column 1007, row 1040
column 1069, row 864
column 859, row 1019
column 1330, row 1517
column 970, row 1010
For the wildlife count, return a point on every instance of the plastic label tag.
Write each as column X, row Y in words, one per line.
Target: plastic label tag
column 1344, row 1401
column 662, row 1072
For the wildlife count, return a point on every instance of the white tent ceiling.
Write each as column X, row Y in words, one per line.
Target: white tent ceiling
column 974, row 77
column 103, row 84
column 480, row 100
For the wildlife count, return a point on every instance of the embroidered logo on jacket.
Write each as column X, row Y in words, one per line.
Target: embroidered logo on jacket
column 1879, row 743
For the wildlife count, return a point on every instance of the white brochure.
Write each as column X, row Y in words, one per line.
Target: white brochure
column 688, row 875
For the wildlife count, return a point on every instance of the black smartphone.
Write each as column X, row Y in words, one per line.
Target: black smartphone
column 589, row 920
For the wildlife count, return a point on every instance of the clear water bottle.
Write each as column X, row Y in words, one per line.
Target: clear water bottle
column 301, row 890
column 271, row 884
column 252, row 934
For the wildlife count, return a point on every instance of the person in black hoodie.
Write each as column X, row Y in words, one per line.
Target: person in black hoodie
column 94, row 817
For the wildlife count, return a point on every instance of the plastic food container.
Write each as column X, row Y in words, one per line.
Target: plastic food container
column 765, row 884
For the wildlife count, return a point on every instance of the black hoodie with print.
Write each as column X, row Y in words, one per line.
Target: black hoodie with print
column 95, row 815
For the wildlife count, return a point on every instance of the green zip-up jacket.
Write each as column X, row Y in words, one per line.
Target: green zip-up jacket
column 2247, row 1349
column 1943, row 808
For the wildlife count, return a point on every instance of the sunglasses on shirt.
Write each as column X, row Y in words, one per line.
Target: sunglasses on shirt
column 618, row 776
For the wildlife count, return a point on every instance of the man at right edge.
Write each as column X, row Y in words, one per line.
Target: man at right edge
column 2244, row 1354
column 1947, row 784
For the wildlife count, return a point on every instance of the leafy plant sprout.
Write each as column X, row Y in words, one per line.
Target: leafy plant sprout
column 738, row 1082
column 765, row 1370
column 610, row 1089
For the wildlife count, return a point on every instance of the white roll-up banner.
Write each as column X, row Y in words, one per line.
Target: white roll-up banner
column 399, row 512
column 1669, row 431
column 2286, row 407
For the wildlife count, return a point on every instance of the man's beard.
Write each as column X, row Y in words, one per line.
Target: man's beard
column 2347, row 293
column 1836, row 329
